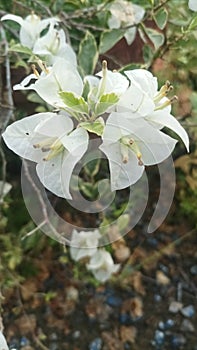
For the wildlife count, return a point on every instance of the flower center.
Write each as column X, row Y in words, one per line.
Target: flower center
column 127, row 143
column 51, row 146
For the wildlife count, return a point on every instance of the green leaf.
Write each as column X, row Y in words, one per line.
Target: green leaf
column 109, row 38
column 77, row 104
column 21, row 49
column 88, row 54
column 95, row 127
column 147, row 54
column 193, row 23
column 161, row 17
column 156, row 37
column 92, row 167
column 105, row 102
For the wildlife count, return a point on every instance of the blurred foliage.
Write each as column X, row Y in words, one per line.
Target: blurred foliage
column 166, row 44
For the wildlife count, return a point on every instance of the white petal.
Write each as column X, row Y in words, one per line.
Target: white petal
column 145, row 80
column 24, row 84
column 167, row 120
column 20, row 136
column 3, row 343
column 62, row 77
column 49, row 173
column 130, row 35
column 139, row 13
column 192, row 5
column 122, row 174
column 136, row 100
column 76, row 143
column 55, row 126
column 14, row 18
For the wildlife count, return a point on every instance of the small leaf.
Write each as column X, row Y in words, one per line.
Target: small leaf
column 77, row 104
column 156, row 37
column 161, row 17
column 21, row 49
column 147, row 54
column 92, row 167
column 88, row 54
column 105, row 102
column 96, row 127
column 109, row 38
column 193, row 23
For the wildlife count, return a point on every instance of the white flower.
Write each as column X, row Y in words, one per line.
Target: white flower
column 105, row 89
column 53, row 45
column 102, row 265
column 130, row 144
column 48, row 139
column 84, row 244
column 62, row 76
column 31, row 27
column 124, row 13
column 192, row 5
column 3, row 343
column 142, row 97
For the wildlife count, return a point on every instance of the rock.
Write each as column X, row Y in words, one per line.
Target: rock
column 175, row 307
column 188, row 311
column 96, row 344
column 178, row 340
column 187, row 326
column 193, row 270
column 162, row 278
column 159, row 337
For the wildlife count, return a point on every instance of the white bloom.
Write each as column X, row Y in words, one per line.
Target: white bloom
column 124, row 13
column 84, row 244
column 53, row 45
column 48, row 139
column 192, row 5
column 62, row 76
column 102, row 265
column 5, row 187
column 3, row 343
column 31, row 27
column 142, row 97
column 130, row 144
column 105, row 89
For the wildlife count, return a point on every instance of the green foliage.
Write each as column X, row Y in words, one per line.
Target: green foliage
column 88, row 54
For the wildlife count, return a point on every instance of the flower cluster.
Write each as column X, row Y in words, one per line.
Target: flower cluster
column 128, row 113
column 125, row 14
column 84, row 245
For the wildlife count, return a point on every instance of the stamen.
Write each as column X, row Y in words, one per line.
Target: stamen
column 167, row 103
column 165, row 89
column 35, row 70
column 103, row 79
column 43, row 66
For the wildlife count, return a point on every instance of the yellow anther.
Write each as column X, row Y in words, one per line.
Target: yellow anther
column 168, row 102
column 43, row 66
column 35, row 70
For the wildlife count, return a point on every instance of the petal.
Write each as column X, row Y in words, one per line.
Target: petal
column 24, row 85
column 20, row 136
column 14, row 18
column 3, row 342
column 122, row 174
column 62, row 77
column 192, row 5
column 145, row 80
column 136, row 100
column 130, row 35
column 167, row 120
column 55, row 126
column 49, row 173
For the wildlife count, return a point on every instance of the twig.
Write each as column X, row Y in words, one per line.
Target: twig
column 8, row 105
column 61, row 239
